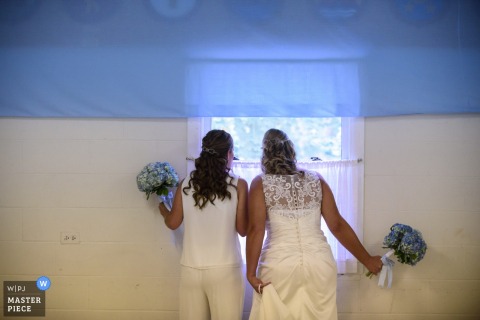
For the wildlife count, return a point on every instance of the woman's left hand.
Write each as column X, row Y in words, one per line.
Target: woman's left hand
column 257, row 284
column 374, row 264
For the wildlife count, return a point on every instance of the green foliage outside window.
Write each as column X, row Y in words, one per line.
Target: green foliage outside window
column 312, row 137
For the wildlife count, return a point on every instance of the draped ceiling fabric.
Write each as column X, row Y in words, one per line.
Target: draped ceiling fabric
column 192, row 58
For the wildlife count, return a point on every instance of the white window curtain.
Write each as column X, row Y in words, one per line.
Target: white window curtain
column 344, row 178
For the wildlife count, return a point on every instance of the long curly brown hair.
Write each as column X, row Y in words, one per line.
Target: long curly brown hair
column 210, row 179
column 278, row 156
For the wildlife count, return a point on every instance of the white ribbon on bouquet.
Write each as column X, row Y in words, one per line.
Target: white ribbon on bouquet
column 387, row 270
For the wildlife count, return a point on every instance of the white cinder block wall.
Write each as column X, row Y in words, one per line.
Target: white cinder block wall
column 78, row 175
column 423, row 171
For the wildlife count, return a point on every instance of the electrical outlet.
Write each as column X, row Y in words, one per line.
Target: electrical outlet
column 70, row 238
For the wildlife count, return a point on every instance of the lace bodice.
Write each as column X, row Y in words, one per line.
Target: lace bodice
column 293, row 222
column 292, row 195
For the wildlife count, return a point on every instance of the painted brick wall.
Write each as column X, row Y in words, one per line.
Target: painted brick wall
column 78, row 175
column 423, row 171
column 64, row 175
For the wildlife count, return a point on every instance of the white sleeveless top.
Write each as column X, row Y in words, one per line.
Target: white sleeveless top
column 210, row 238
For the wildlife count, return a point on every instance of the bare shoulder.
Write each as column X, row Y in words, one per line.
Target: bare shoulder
column 256, row 196
column 242, row 181
column 256, row 186
column 256, row 182
column 242, row 184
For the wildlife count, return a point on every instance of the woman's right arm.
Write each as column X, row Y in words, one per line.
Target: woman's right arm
column 256, row 230
column 344, row 232
column 173, row 219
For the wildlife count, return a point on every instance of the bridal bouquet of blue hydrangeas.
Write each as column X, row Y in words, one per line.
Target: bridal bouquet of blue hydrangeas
column 406, row 244
column 157, row 178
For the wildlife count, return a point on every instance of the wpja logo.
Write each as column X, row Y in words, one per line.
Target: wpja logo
column 25, row 298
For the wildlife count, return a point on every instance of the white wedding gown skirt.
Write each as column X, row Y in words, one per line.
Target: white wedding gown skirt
column 298, row 262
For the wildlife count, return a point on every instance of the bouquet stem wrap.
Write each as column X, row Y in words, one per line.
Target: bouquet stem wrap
column 167, row 200
column 387, row 270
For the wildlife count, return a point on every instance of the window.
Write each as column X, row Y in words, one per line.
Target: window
column 312, row 137
column 340, row 166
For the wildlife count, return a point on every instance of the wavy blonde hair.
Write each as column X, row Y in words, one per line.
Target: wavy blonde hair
column 278, row 156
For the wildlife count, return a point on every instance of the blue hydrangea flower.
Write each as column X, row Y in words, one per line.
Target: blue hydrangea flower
column 412, row 248
column 157, row 177
column 397, row 231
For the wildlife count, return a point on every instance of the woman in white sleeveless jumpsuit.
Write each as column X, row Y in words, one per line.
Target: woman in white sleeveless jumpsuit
column 212, row 204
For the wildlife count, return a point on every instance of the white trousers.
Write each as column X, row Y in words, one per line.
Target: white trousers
column 215, row 293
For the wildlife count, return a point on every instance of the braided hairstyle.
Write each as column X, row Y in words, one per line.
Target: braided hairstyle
column 278, row 156
column 209, row 179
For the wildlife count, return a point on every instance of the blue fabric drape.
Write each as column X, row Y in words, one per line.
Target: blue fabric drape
column 193, row 58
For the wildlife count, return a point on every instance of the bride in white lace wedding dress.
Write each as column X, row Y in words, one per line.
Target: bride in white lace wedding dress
column 294, row 275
